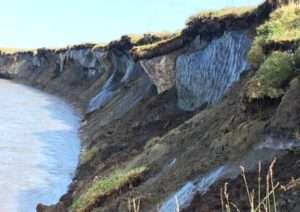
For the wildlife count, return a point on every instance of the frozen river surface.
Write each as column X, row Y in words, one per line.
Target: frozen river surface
column 39, row 147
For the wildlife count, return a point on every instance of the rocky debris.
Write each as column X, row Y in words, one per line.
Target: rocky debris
column 161, row 71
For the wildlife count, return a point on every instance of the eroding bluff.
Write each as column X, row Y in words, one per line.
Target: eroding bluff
column 203, row 76
column 144, row 115
column 127, row 103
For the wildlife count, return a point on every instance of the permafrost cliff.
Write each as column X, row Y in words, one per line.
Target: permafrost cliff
column 204, row 76
column 200, row 74
column 163, row 123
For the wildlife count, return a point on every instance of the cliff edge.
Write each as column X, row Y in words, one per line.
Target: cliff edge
column 168, row 119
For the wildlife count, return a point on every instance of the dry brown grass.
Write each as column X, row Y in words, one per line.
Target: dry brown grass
column 134, row 204
column 101, row 188
column 235, row 11
column 259, row 201
column 157, row 47
column 13, row 50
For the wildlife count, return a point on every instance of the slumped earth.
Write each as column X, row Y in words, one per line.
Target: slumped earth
column 39, row 147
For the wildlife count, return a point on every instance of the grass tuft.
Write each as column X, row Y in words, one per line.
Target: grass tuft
column 256, row 54
column 235, row 11
column 88, row 155
column 272, row 76
column 143, row 48
column 284, row 25
column 258, row 202
column 149, row 38
column 102, row 188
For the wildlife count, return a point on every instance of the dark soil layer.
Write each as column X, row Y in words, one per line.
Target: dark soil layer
column 286, row 168
column 119, row 144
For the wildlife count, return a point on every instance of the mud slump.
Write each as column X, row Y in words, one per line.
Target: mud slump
column 39, row 147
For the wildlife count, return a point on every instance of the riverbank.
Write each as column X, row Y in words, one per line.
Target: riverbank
column 158, row 113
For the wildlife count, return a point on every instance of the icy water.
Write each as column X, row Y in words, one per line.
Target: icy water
column 39, row 147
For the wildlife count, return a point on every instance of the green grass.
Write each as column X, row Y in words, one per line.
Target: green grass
column 88, row 155
column 256, row 54
column 284, row 25
column 273, row 74
column 105, row 187
column 277, row 69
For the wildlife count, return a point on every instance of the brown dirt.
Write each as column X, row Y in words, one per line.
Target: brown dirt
column 118, row 144
column 217, row 134
column 286, row 168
